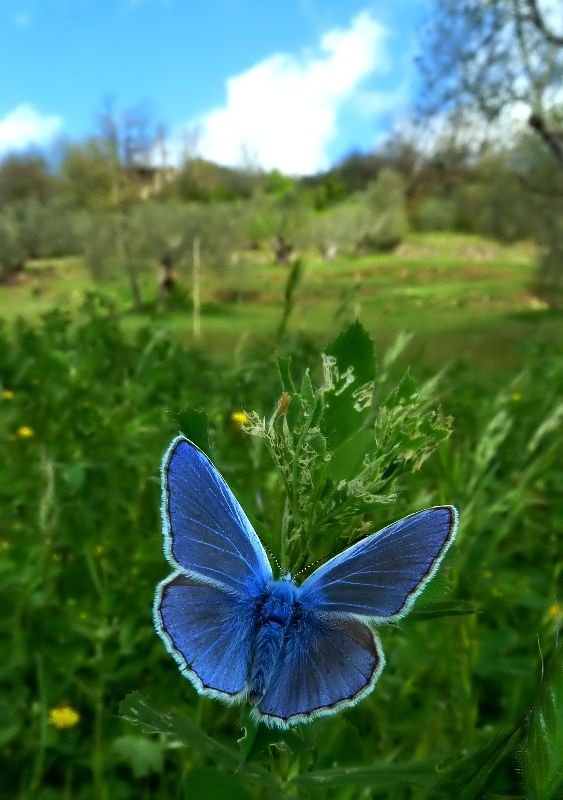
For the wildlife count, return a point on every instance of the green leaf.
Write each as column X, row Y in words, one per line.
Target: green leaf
column 142, row 755
column 542, row 751
column 213, row 784
column 136, row 710
column 258, row 739
column 348, row 388
column 442, row 608
column 293, row 281
column 284, row 368
column 195, row 426
column 420, row 773
column 469, row 777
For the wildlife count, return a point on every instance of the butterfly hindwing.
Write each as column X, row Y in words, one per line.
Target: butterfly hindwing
column 208, row 631
column 380, row 576
column 206, row 532
column 327, row 663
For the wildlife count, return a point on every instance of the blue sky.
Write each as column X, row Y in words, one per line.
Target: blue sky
column 293, row 84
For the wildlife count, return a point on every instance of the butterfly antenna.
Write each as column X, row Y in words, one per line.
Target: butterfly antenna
column 308, row 566
column 275, row 559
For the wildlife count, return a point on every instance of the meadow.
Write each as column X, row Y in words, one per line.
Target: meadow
column 462, row 366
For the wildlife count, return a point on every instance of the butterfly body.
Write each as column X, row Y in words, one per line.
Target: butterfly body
column 295, row 652
column 275, row 611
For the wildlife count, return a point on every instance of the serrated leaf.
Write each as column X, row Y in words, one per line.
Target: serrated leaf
column 346, row 409
column 542, row 752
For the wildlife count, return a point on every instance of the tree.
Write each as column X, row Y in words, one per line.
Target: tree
column 24, row 177
column 88, row 174
column 494, row 56
column 501, row 60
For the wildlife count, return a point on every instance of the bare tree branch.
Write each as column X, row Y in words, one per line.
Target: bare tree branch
column 553, row 139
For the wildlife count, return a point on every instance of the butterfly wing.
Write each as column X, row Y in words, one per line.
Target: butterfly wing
column 381, row 576
column 206, row 532
column 208, row 631
column 327, row 663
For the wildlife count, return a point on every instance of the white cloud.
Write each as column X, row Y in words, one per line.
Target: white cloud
column 24, row 126
column 284, row 110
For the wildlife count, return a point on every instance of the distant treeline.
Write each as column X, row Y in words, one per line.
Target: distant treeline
column 104, row 200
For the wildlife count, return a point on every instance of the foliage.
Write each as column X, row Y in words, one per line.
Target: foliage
column 203, row 181
column 542, row 751
column 85, row 415
column 24, row 177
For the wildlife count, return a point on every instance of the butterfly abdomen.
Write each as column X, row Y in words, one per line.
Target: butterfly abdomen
column 273, row 617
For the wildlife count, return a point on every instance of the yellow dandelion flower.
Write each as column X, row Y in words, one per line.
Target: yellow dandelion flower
column 25, row 432
column 63, row 717
column 240, row 418
column 7, row 394
column 516, row 397
column 554, row 611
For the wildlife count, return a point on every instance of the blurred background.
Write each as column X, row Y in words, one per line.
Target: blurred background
column 188, row 191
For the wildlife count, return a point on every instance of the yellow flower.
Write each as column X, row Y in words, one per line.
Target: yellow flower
column 25, row 432
column 240, row 418
column 7, row 394
column 516, row 397
column 99, row 550
column 63, row 717
column 554, row 611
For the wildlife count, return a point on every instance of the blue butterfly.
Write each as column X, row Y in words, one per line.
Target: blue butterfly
column 294, row 652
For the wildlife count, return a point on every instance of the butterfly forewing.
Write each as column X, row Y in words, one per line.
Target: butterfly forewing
column 207, row 533
column 380, row 576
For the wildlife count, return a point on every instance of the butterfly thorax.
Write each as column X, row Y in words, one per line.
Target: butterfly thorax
column 275, row 610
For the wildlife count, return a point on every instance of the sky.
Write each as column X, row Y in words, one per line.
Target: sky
column 287, row 84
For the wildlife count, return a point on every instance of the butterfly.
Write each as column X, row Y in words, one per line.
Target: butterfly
column 238, row 634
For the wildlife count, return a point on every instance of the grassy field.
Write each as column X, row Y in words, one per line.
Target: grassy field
column 470, row 704
column 456, row 294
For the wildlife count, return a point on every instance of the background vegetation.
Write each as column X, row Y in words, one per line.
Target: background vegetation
column 137, row 300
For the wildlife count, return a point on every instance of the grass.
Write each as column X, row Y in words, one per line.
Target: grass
column 461, row 709
column 456, row 294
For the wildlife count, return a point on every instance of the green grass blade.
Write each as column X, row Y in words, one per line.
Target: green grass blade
column 442, row 608
column 469, row 777
column 420, row 773
column 542, row 751
column 135, row 709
